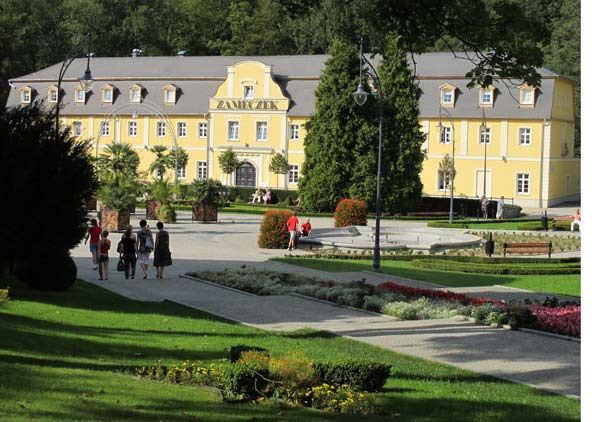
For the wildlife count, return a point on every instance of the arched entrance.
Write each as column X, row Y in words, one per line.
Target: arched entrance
column 245, row 175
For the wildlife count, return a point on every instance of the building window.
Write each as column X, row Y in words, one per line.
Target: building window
column 135, row 95
column 443, row 180
column 293, row 174
column 261, row 131
column 170, row 96
column 294, row 132
column 201, row 170
column 202, row 130
column 485, row 136
column 76, row 128
column 234, row 131
column 181, row 129
column 104, row 128
column 107, row 95
column 80, row 96
column 53, row 95
column 161, row 129
column 446, row 135
column 523, row 183
column 487, row 96
column 248, row 92
column 447, row 96
column 527, row 95
column 524, row 136
column 181, row 172
column 26, row 96
column 132, row 128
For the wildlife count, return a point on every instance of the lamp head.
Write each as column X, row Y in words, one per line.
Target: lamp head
column 482, row 128
column 360, row 95
column 86, row 80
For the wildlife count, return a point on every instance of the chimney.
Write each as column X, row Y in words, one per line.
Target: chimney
column 136, row 52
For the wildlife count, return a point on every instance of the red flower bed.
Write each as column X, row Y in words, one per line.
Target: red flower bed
column 562, row 320
column 435, row 294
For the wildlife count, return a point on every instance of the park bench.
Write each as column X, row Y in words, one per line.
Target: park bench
column 562, row 221
column 528, row 248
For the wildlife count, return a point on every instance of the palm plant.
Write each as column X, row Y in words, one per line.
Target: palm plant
column 208, row 192
column 118, row 162
column 161, row 162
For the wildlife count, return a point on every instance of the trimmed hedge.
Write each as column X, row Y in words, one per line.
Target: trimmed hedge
column 498, row 268
column 273, row 230
column 359, row 374
column 350, row 212
column 467, row 223
column 245, row 380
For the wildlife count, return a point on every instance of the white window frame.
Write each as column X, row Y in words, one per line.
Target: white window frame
column 294, row 132
column 161, row 129
column 181, row 129
column 445, row 185
column 80, row 96
column 202, row 130
column 293, row 174
column 523, row 181
column 53, row 96
column 528, row 91
column 248, row 92
column 446, row 136
column 489, row 92
column 525, row 136
column 201, row 170
column 105, row 128
column 449, row 92
column 487, row 135
column 132, row 128
column 26, row 96
column 107, row 95
column 135, row 95
column 77, row 128
column 181, row 173
column 168, row 94
column 230, row 125
column 262, row 131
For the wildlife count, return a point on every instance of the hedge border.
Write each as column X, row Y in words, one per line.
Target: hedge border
column 471, row 259
column 494, row 268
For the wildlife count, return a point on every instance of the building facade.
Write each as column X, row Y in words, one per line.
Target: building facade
column 509, row 139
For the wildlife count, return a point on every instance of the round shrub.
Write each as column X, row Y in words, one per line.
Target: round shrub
column 273, row 230
column 48, row 272
column 350, row 212
column 167, row 214
column 244, row 380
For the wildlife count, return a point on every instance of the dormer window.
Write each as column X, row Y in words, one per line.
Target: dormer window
column 135, row 94
column 527, row 96
column 79, row 96
column 26, row 95
column 486, row 96
column 53, row 95
column 170, row 94
column 107, row 94
column 248, row 92
column 447, row 95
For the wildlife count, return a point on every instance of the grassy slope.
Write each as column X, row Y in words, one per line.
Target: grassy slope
column 569, row 284
column 68, row 357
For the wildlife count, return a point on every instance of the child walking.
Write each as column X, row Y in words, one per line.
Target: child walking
column 104, row 247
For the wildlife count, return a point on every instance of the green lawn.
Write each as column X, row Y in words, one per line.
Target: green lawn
column 569, row 284
column 69, row 356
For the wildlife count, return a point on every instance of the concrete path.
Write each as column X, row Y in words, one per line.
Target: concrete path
column 544, row 362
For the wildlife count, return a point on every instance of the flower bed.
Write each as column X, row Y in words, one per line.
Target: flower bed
column 561, row 320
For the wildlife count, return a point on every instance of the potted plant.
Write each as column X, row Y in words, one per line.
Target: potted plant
column 162, row 191
column 208, row 198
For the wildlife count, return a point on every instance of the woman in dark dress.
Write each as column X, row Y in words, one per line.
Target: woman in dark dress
column 162, row 254
column 128, row 252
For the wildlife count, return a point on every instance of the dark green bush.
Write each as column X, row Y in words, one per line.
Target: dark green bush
column 538, row 268
column 520, row 316
column 248, row 381
column 359, row 374
column 48, row 271
column 235, row 352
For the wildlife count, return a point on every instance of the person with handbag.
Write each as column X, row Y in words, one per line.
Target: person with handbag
column 128, row 242
column 144, row 246
column 162, row 254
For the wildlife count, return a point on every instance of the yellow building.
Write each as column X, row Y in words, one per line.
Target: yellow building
column 258, row 106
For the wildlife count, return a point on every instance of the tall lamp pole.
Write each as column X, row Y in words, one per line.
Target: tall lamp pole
column 360, row 97
column 440, row 128
column 85, row 81
column 483, row 134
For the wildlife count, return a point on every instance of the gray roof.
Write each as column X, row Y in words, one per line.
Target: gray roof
column 199, row 77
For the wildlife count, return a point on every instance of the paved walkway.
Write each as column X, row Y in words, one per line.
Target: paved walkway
column 541, row 361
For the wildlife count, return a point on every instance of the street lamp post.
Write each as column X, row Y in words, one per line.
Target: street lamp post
column 360, row 97
column 483, row 134
column 85, row 81
column 440, row 128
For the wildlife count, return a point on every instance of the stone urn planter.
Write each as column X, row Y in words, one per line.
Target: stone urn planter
column 113, row 220
column 152, row 208
column 205, row 213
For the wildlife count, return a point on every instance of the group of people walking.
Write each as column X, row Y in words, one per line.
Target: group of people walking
column 133, row 248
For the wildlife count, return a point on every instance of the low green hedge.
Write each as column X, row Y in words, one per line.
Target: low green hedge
column 498, row 268
column 244, row 380
column 359, row 374
column 468, row 223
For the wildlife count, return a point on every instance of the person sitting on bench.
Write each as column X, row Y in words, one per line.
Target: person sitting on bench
column 257, row 196
column 576, row 220
column 267, row 197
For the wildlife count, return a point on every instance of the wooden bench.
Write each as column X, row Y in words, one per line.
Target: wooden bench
column 528, row 248
column 562, row 221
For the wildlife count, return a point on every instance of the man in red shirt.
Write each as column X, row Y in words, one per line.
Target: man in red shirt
column 94, row 235
column 306, row 228
column 292, row 225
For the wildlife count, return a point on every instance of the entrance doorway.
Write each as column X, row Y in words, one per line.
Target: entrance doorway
column 245, row 175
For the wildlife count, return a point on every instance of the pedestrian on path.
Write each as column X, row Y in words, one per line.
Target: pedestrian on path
column 94, row 235
column 576, row 220
column 103, row 247
column 128, row 253
column 484, row 207
column 144, row 246
column 292, row 226
column 162, row 254
column 500, row 210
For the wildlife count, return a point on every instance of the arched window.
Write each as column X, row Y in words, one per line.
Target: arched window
column 245, row 175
